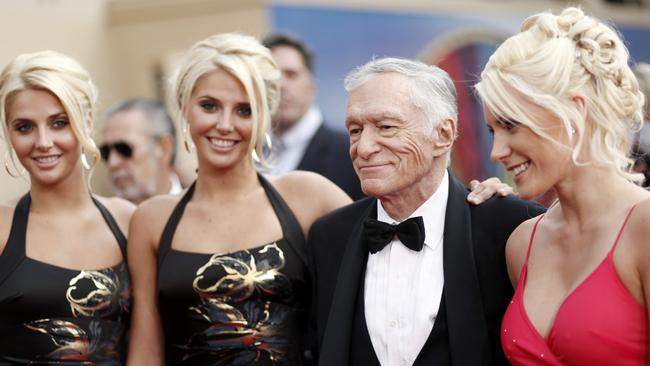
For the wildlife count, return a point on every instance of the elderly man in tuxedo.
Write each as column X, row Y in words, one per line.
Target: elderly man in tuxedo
column 413, row 274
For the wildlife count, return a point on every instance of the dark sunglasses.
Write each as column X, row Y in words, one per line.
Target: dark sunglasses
column 122, row 148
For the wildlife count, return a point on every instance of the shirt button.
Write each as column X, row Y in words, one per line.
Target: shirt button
column 393, row 324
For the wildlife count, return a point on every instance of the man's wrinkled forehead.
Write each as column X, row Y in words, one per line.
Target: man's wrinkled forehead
column 374, row 106
column 368, row 116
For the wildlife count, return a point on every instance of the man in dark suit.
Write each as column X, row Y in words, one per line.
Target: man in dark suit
column 433, row 289
column 301, row 139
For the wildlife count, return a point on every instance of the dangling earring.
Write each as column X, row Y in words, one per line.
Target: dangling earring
column 17, row 174
column 267, row 140
column 84, row 159
column 256, row 158
column 267, row 143
column 186, row 142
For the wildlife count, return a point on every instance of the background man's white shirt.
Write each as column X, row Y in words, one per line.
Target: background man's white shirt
column 288, row 149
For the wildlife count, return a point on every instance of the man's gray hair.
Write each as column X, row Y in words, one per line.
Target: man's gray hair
column 159, row 121
column 432, row 90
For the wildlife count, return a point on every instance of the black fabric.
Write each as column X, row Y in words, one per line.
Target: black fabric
column 247, row 307
column 291, row 229
column 13, row 253
column 436, row 348
column 170, row 228
column 328, row 155
column 50, row 315
column 410, row 232
column 476, row 291
column 112, row 224
column 361, row 350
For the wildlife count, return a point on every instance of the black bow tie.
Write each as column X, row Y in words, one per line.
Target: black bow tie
column 379, row 234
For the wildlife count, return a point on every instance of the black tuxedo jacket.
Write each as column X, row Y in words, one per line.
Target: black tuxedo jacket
column 328, row 154
column 476, row 290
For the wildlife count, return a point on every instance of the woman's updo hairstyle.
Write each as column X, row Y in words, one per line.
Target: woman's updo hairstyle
column 556, row 58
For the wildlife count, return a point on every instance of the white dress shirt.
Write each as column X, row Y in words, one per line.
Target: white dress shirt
column 288, row 149
column 403, row 288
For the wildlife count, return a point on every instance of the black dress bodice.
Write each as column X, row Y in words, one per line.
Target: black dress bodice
column 241, row 308
column 51, row 315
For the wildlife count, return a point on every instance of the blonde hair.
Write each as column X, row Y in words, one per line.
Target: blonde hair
column 61, row 76
column 247, row 60
column 555, row 58
column 642, row 72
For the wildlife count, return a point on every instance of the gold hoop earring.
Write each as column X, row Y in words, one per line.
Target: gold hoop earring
column 84, row 157
column 266, row 149
column 84, row 160
column 268, row 141
column 17, row 174
column 186, row 142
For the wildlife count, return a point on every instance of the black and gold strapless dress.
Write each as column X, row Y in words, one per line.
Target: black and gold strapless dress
column 241, row 308
column 51, row 315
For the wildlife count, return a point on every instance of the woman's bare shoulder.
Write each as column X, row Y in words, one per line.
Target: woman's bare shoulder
column 120, row 209
column 307, row 183
column 312, row 189
column 300, row 178
column 639, row 223
column 157, row 207
column 309, row 195
column 520, row 237
column 517, row 247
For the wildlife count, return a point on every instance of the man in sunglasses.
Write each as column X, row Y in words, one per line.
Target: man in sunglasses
column 139, row 149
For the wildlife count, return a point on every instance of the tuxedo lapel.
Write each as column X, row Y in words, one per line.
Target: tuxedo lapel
column 335, row 350
column 465, row 314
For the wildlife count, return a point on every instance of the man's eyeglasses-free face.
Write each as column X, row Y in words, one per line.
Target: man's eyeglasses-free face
column 124, row 149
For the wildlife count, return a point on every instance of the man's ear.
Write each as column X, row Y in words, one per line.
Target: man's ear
column 446, row 134
column 166, row 145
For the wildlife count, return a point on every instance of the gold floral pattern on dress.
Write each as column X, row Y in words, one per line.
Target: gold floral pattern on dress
column 97, row 298
column 243, row 274
column 91, row 343
column 71, row 340
column 240, row 329
column 94, row 334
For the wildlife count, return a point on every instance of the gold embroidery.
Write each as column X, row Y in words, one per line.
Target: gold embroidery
column 242, row 277
column 71, row 341
column 100, row 298
column 251, row 330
